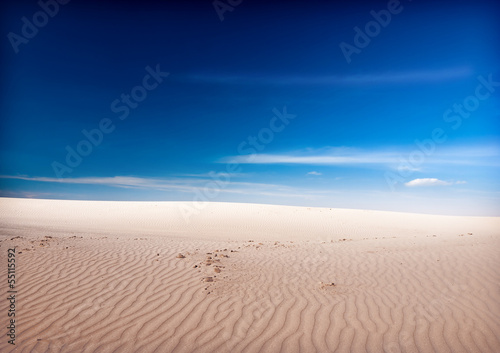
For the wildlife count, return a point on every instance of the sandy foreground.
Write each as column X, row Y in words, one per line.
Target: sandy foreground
column 107, row 277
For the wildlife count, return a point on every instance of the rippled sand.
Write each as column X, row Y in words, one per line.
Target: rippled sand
column 139, row 277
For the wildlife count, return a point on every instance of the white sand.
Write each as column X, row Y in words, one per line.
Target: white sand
column 105, row 277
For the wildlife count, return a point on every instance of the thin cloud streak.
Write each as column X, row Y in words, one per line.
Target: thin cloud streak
column 350, row 156
column 314, row 160
column 431, row 182
column 181, row 185
column 415, row 76
column 427, row 182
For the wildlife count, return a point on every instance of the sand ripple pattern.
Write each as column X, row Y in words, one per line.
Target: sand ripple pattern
column 345, row 286
column 137, row 295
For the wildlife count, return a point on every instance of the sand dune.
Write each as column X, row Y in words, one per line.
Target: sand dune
column 139, row 277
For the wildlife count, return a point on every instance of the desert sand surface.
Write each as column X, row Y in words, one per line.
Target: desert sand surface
column 94, row 276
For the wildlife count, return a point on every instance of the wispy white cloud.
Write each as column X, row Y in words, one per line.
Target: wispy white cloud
column 212, row 173
column 313, row 159
column 431, row 182
column 402, row 77
column 314, row 173
column 117, row 181
column 26, row 194
column 390, row 157
column 407, row 168
column 216, row 182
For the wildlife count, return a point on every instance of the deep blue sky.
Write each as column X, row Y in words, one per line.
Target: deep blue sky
column 355, row 122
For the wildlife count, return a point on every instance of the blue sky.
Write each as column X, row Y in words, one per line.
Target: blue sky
column 263, row 106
